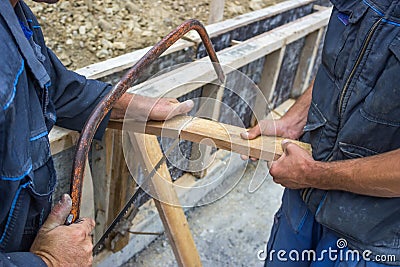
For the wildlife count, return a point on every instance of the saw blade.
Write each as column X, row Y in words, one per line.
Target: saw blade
column 135, row 200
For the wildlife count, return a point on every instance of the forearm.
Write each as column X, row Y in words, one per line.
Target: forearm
column 119, row 109
column 293, row 122
column 375, row 176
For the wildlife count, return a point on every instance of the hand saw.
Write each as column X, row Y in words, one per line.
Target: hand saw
column 104, row 106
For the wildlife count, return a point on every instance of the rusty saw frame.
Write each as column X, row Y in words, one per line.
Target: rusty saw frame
column 106, row 104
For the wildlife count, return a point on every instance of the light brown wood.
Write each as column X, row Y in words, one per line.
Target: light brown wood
column 248, row 18
column 118, row 190
column 210, row 106
column 192, row 76
column 163, row 192
column 212, row 133
column 102, row 156
column 216, row 11
column 267, row 84
column 123, row 62
column 307, row 62
column 196, row 74
column 279, row 111
column 62, row 139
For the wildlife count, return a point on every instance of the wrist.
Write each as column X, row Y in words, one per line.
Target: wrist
column 45, row 259
column 320, row 175
column 288, row 128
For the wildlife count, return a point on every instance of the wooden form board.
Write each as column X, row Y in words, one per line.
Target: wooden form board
column 216, row 11
column 123, row 62
column 148, row 219
column 219, row 28
column 182, row 80
column 194, row 75
column 214, row 134
column 172, row 216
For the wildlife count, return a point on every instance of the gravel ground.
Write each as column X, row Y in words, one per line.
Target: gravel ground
column 228, row 232
column 83, row 32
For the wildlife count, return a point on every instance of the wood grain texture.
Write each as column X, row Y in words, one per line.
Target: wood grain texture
column 222, row 27
column 212, row 133
column 163, row 192
column 216, row 11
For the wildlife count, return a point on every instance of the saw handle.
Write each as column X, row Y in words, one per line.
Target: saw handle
column 105, row 105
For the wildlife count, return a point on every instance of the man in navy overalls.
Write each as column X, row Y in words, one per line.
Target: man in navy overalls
column 37, row 92
column 341, row 206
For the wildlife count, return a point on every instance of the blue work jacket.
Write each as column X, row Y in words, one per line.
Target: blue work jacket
column 36, row 92
column 355, row 113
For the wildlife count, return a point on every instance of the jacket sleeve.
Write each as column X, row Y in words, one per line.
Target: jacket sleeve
column 74, row 96
column 21, row 259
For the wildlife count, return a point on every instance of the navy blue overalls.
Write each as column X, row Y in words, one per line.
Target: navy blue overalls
column 36, row 92
column 355, row 112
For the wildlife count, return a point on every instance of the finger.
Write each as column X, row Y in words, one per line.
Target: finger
column 185, row 106
column 180, row 108
column 244, row 157
column 253, row 159
column 285, row 143
column 269, row 164
column 89, row 225
column 58, row 214
column 172, row 100
column 252, row 133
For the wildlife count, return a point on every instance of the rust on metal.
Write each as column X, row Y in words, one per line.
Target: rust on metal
column 104, row 106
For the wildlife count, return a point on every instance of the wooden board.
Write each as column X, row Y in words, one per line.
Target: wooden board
column 123, row 62
column 212, row 133
column 172, row 215
column 216, row 11
column 248, row 18
column 194, row 75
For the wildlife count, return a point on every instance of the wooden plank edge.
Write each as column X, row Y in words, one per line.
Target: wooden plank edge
column 150, row 221
column 321, row 17
column 123, row 62
column 248, row 18
column 178, row 82
column 222, row 136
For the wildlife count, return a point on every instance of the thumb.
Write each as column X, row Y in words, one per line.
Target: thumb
column 181, row 108
column 285, row 143
column 252, row 133
column 58, row 214
column 185, row 106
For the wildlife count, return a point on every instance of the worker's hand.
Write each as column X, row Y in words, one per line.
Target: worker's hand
column 144, row 108
column 294, row 168
column 61, row 245
column 264, row 127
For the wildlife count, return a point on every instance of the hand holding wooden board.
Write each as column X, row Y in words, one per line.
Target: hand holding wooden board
column 220, row 135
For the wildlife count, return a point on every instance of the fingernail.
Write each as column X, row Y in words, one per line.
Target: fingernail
column 245, row 135
column 66, row 199
column 284, row 141
column 189, row 103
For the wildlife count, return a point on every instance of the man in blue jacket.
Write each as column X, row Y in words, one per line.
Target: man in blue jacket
column 36, row 92
column 344, row 200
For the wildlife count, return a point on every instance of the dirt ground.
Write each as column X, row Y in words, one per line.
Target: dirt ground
column 83, row 32
column 228, row 232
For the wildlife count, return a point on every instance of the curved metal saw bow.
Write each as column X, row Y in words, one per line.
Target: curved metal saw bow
column 104, row 106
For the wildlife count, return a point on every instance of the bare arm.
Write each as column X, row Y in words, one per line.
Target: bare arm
column 148, row 108
column 290, row 125
column 374, row 176
column 293, row 122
